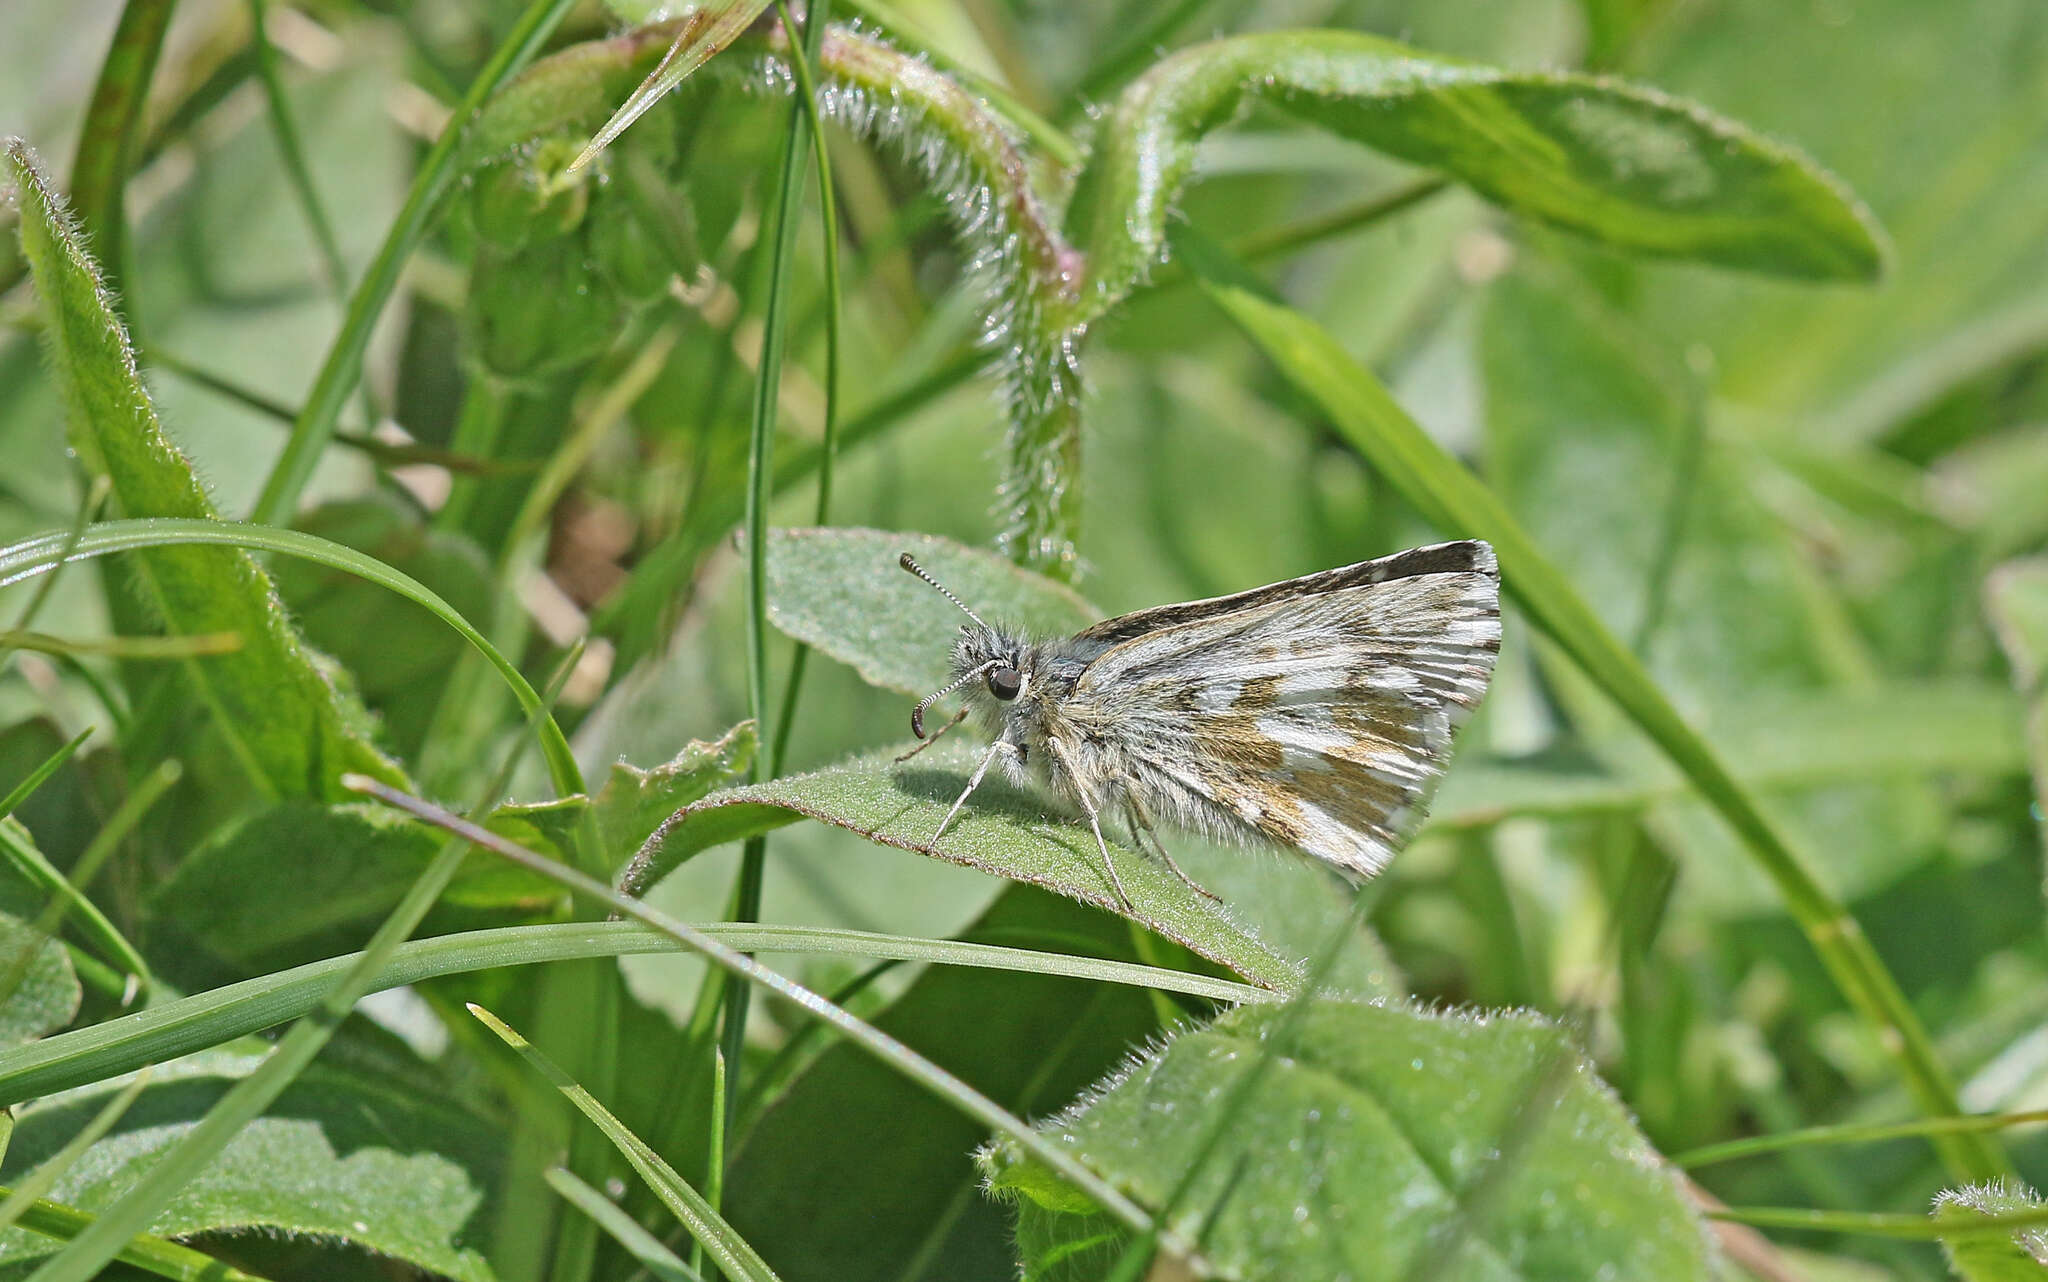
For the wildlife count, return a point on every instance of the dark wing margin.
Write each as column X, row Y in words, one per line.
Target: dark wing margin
column 1465, row 556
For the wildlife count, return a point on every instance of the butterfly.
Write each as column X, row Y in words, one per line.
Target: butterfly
column 1315, row 714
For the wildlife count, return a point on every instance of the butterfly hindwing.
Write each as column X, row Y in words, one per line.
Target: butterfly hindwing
column 1316, row 714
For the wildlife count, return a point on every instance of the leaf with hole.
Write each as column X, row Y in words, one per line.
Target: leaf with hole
column 1384, row 1143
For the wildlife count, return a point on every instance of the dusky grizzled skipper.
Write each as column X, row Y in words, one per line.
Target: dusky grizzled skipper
column 1315, row 713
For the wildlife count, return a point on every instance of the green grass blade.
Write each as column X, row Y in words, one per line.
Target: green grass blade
column 638, row 1242
column 67, row 894
column 1447, row 493
column 431, row 183
column 1855, row 1133
column 37, row 555
column 106, row 143
column 150, row 1254
column 284, row 127
column 720, row 1242
column 163, row 1033
column 891, row 1052
column 1887, row 1224
column 41, row 774
column 736, row 996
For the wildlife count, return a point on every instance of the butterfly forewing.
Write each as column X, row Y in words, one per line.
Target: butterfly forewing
column 1316, row 714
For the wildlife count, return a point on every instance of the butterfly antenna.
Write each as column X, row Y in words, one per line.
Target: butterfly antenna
column 917, row 713
column 918, row 570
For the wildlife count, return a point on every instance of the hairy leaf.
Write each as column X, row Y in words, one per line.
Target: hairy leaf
column 47, row 995
column 843, row 592
column 1385, row 1143
column 292, row 730
column 1631, row 167
column 1001, row 831
column 2022, row 1257
column 250, row 899
column 342, row 1154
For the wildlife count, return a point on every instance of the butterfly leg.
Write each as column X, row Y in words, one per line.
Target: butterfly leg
column 1094, row 821
column 1141, row 827
column 972, row 783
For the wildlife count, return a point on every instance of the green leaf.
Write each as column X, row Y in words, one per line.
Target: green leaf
column 1630, row 167
column 1002, row 831
column 843, row 592
column 249, row 900
column 2022, row 1257
column 1385, row 1139
column 2016, row 597
column 292, row 730
column 47, row 997
column 341, row 1154
column 1029, row 1042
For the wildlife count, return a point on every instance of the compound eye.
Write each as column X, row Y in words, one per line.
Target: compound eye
column 1004, row 683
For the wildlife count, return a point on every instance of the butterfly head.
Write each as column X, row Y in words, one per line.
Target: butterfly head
column 992, row 665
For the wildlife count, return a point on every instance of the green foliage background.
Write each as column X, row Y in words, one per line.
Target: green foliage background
column 1724, row 321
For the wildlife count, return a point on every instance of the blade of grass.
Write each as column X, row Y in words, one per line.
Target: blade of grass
column 106, row 143
column 298, row 174
column 181, row 647
column 1854, row 1133
column 432, row 182
column 88, row 511
column 389, row 453
column 164, row 1032
column 828, row 445
column 1441, row 487
column 638, row 1242
column 891, row 1052
column 41, row 774
column 38, row 555
column 67, row 892
column 92, row 923
column 150, row 1254
column 41, row 1180
column 731, row 1251
column 1888, row 1224
column 746, row 897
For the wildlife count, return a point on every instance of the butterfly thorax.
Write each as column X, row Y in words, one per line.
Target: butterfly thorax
column 1022, row 684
